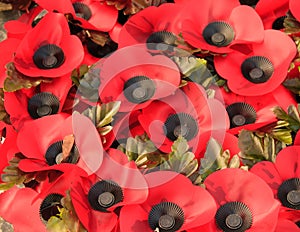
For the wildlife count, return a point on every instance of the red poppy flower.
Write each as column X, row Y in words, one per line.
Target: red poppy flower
column 91, row 14
column 245, row 202
column 284, row 225
column 216, row 25
column 48, row 49
column 187, row 113
column 44, row 148
column 283, row 177
column 116, row 183
column 29, row 104
column 294, row 8
column 168, row 206
column 153, row 25
column 138, row 78
column 13, row 203
column 260, row 70
column 272, row 12
column 251, row 112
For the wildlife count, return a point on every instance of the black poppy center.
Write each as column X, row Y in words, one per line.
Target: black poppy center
column 249, row 2
column 42, row 104
column 139, row 89
column 289, row 193
column 49, row 56
column 257, row 69
column 54, row 154
column 234, row 217
column 180, row 124
column 104, row 194
column 241, row 113
column 218, row 33
column 50, row 206
column 100, row 51
column 159, row 39
column 166, row 216
column 82, row 10
column 278, row 23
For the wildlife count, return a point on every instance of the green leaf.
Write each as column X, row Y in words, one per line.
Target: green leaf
column 194, row 69
column 78, row 73
column 293, row 85
column 291, row 117
column 16, row 81
column 180, row 160
column 214, row 159
column 4, row 116
column 102, row 115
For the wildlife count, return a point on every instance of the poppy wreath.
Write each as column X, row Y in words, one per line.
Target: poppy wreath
column 136, row 115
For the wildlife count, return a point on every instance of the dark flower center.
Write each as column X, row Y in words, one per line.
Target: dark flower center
column 54, row 154
column 139, row 89
column 180, row 124
column 234, row 217
column 166, row 216
column 104, row 194
column 249, row 2
column 50, row 205
column 289, row 193
column 82, row 10
column 278, row 23
column 42, row 104
column 159, row 39
column 241, row 113
column 99, row 51
column 48, row 56
column 257, row 69
column 218, row 33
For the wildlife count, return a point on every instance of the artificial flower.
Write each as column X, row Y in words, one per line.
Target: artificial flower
column 241, row 208
column 283, row 181
column 259, row 70
column 272, row 13
column 188, row 113
column 284, row 225
column 138, row 79
column 250, row 112
column 36, row 102
column 48, row 49
column 153, row 25
column 116, row 183
column 91, row 14
column 169, row 208
column 217, row 25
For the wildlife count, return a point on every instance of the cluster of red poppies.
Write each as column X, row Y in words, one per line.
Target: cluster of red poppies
column 114, row 122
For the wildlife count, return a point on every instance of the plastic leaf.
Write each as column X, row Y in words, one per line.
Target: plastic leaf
column 181, row 160
column 4, row 116
column 16, row 81
column 291, row 117
column 293, row 85
column 102, row 115
column 5, row 226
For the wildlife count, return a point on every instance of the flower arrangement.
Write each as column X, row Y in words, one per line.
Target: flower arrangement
column 138, row 115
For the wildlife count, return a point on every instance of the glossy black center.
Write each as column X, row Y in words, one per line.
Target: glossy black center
column 48, row 56
column 257, row 69
column 139, row 89
column 54, row 154
column 218, row 33
column 49, row 206
column 289, row 193
column 42, row 104
column 82, row 10
column 158, row 40
column 104, row 194
column 241, row 113
column 234, row 217
column 166, row 217
column 278, row 23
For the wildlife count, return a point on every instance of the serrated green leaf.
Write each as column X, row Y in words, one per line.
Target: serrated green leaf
column 102, row 115
column 234, row 162
column 291, row 117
